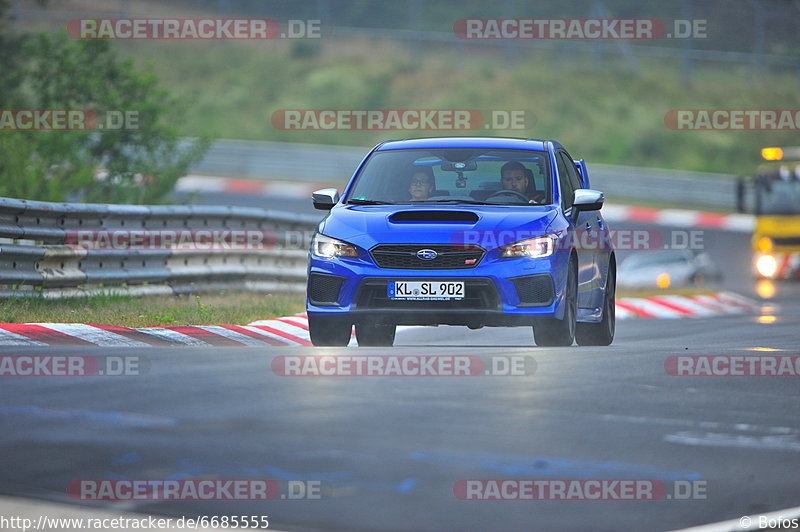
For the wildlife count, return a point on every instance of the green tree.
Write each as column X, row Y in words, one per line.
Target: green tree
column 138, row 163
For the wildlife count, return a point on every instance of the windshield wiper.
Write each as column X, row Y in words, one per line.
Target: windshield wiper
column 368, row 202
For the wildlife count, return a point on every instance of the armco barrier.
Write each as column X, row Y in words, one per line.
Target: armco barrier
column 37, row 255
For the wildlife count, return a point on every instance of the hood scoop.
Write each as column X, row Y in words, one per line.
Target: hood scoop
column 415, row 216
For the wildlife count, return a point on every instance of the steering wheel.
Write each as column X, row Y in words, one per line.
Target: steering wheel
column 507, row 192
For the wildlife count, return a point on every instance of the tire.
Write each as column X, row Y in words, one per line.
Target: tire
column 552, row 332
column 602, row 332
column 329, row 331
column 375, row 335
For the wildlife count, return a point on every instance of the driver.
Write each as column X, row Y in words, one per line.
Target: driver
column 514, row 176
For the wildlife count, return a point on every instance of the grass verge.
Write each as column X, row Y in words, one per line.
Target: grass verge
column 230, row 308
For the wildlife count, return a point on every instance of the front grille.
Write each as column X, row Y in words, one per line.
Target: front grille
column 324, row 289
column 786, row 241
column 534, row 290
column 479, row 294
column 449, row 257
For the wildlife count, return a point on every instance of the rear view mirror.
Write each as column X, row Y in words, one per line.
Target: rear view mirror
column 586, row 199
column 459, row 166
column 325, row 198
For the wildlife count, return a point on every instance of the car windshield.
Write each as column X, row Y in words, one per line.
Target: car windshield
column 454, row 176
column 780, row 196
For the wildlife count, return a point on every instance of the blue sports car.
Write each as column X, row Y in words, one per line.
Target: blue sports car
column 463, row 231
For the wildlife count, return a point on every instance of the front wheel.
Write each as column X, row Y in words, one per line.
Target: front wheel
column 602, row 332
column 329, row 331
column 552, row 332
column 375, row 335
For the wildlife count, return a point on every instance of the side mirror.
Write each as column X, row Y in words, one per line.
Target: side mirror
column 586, row 199
column 325, row 198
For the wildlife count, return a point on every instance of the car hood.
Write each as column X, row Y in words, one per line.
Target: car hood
column 369, row 225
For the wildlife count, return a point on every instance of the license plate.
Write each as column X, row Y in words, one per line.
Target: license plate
column 425, row 290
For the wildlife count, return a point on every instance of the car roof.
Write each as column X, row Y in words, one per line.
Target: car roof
column 464, row 142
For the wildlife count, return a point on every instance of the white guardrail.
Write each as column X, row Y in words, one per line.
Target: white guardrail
column 61, row 249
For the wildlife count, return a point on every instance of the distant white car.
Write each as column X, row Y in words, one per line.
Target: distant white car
column 668, row 269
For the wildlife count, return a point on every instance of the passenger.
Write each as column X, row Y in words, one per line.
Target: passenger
column 422, row 184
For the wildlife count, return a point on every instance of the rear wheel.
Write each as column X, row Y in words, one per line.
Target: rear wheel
column 602, row 333
column 329, row 331
column 554, row 332
column 375, row 335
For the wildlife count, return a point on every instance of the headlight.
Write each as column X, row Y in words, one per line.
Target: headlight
column 767, row 266
column 328, row 248
column 532, row 248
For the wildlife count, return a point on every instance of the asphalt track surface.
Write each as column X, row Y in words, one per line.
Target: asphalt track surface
column 387, row 451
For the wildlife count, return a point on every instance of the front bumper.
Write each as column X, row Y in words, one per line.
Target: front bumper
column 498, row 292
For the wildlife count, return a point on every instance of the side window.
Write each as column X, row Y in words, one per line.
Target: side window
column 572, row 172
column 566, row 184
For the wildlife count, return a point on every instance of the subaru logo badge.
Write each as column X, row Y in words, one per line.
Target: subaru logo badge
column 427, row 254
